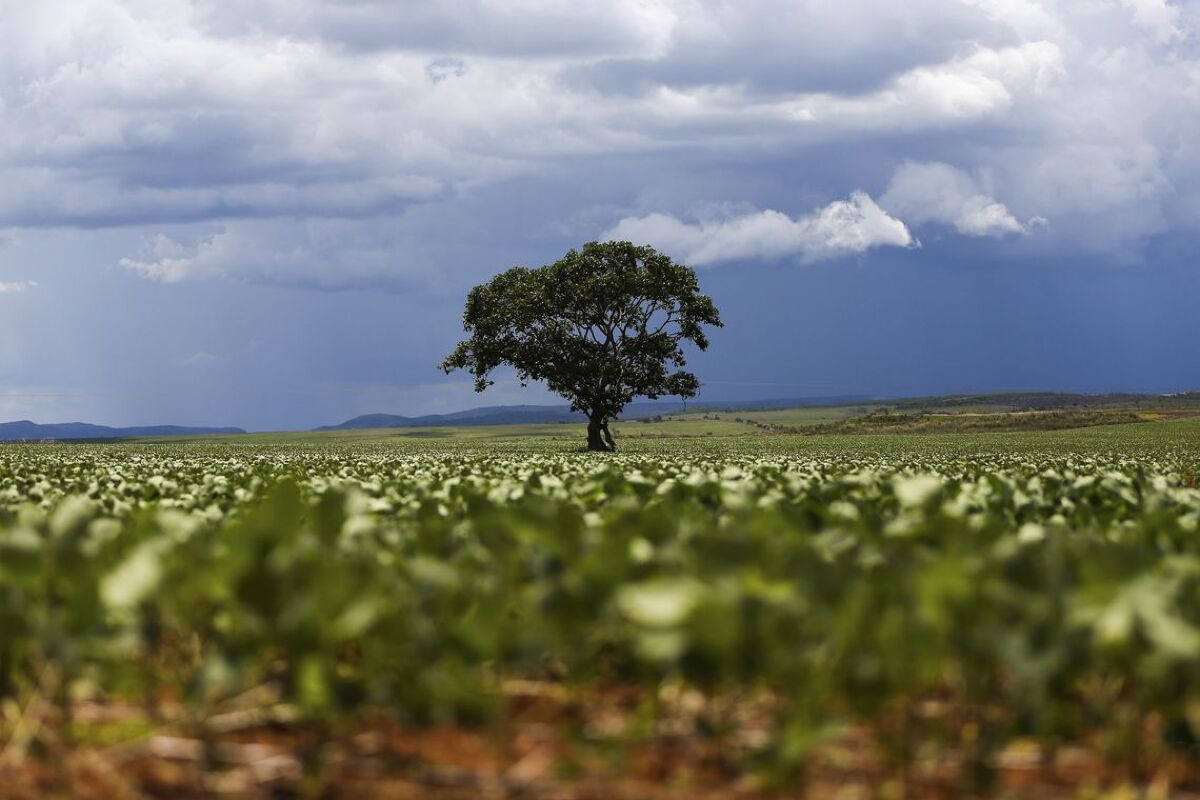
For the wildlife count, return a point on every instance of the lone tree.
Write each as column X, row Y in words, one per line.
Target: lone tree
column 600, row 326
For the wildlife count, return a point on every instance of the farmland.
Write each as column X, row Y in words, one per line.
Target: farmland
column 714, row 611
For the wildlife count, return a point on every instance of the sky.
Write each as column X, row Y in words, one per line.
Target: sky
column 268, row 213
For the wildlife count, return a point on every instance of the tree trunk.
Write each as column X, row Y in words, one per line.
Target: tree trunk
column 608, row 439
column 596, row 426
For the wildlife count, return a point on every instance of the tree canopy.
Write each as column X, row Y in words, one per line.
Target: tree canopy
column 600, row 326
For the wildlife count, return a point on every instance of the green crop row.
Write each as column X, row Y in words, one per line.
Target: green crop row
column 1050, row 596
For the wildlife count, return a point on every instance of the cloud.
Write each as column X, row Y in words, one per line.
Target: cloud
column 937, row 192
column 773, row 47
column 326, row 254
column 1028, row 18
column 440, row 69
column 164, row 259
column 985, row 83
column 16, row 287
column 43, row 198
column 1158, row 17
column 509, row 28
column 841, row 228
column 263, row 122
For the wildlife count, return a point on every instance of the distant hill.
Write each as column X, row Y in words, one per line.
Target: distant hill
column 25, row 430
column 1005, row 401
column 543, row 415
column 492, row 415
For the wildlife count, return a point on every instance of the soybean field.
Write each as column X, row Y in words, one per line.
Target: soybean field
column 770, row 615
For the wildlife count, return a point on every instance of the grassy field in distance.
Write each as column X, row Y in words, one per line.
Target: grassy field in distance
column 931, row 416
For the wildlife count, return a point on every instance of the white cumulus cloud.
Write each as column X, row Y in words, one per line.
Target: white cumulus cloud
column 841, row 228
column 1158, row 17
column 986, row 83
column 935, row 192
